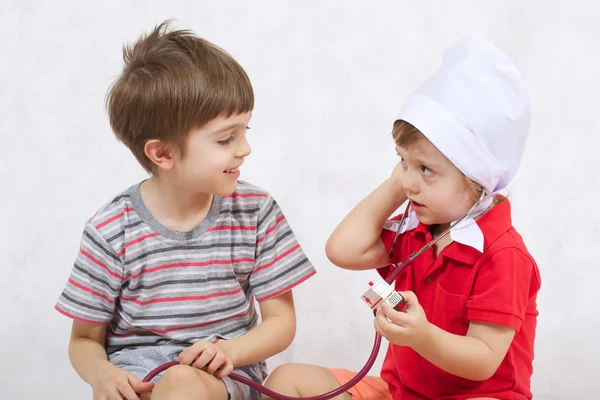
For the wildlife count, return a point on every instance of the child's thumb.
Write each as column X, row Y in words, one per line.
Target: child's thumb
column 139, row 386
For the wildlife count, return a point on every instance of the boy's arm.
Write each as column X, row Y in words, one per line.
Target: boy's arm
column 476, row 356
column 86, row 350
column 273, row 335
column 88, row 357
column 496, row 309
column 356, row 244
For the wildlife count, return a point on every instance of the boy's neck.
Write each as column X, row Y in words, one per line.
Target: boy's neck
column 438, row 229
column 173, row 205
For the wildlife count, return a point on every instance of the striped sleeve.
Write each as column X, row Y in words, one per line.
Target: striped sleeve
column 280, row 262
column 95, row 281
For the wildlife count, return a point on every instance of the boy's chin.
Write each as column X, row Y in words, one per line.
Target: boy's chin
column 425, row 220
column 430, row 220
column 226, row 190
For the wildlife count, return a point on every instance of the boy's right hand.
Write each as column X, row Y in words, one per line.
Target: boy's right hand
column 396, row 180
column 397, row 177
column 114, row 383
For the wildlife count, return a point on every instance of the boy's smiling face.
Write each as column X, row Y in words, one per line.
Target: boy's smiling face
column 213, row 155
column 435, row 186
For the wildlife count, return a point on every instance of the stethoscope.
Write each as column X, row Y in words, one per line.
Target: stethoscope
column 397, row 269
column 390, row 278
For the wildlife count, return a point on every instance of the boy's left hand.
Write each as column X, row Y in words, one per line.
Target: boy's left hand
column 407, row 328
column 209, row 357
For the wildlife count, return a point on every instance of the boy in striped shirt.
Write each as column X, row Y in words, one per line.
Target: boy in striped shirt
column 169, row 269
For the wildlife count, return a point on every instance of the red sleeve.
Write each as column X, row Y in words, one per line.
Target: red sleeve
column 501, row 290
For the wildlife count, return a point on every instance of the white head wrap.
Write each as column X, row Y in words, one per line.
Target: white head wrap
column 476, row 110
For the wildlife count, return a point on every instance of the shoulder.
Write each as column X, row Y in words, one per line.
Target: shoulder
column 509, row 241
column 509, row 253
column 112, row 217
column 501, row 238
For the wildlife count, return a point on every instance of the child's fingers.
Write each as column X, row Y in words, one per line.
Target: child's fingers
column 215, row 363
column 204, row 358
column 225, row 370
column 381, row 318
column 127, row 392
column 395, row 317
column 139, row 386
column 410, row 299
column 114, row 387
column 386, row 326
column 383, row 328
column 378, row 328
column 113, row 395
column 189, row 355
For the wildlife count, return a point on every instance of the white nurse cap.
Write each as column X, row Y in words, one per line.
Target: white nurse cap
column 476, row 110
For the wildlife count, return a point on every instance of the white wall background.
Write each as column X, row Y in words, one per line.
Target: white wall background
column 328, row 77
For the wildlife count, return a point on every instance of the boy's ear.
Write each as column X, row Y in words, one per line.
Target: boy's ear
column 160, row 154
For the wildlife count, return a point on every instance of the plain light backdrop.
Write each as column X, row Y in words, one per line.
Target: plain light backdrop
column 328, row 77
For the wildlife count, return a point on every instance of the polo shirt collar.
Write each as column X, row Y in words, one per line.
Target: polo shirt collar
column 471, row 237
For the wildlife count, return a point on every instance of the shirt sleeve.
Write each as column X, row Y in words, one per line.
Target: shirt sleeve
column 280, row 262
column 95, row 281
column 502, row 289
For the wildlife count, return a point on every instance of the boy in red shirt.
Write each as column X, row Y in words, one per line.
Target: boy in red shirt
column 468, row 326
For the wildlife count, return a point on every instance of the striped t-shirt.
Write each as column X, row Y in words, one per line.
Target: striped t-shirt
column 155, row 286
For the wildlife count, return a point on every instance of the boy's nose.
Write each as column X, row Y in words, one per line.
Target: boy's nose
column 410, row 182
column 244, row 150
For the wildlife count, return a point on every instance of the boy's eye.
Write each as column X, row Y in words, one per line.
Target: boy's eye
column 426, row 170
column 226, row 141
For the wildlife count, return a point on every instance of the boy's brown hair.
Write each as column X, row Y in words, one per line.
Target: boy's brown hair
column 172, row 82
column 406, row 135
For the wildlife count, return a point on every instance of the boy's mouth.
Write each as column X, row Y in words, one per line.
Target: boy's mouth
column 415, row 206
column 233, row 173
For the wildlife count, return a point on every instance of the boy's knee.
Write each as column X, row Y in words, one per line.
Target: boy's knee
column 285, row 371
column 180, row 373
column 180, row 376
column 183, row 382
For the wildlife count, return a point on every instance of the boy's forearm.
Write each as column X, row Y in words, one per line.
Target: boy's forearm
column 88, row 357
column 463, row 356
column 360, row 230
column 270, row 337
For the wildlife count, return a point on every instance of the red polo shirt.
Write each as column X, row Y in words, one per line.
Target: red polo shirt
column 461, row 285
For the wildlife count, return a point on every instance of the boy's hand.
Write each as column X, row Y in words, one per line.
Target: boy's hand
column 407, row 328
column 397, row 179
column 113, row 383
column 210, row 357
